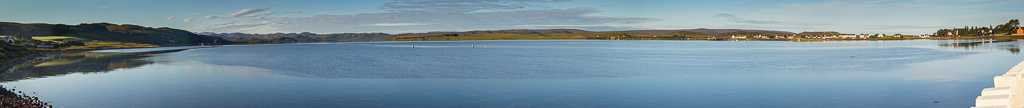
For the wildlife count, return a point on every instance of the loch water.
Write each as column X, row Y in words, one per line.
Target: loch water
column 528, row 73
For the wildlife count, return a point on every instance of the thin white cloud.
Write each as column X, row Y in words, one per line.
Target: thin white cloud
column 747, row 21
column 195, row 14
column 211, row 17
column 170, row 18
column 245, row 12
column 463, row 5
column 394, row 22
column 397, row 24
column 258, row 14
column 292, row 12
column 187, row 20
column 441, row 15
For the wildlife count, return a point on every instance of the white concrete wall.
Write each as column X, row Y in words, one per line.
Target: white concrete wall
column 1007, row 93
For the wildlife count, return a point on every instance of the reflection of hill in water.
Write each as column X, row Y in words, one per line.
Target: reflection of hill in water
column 976, row 44
column 540, row 60
column 81, row 62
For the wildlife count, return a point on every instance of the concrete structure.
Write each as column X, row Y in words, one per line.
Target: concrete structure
column 1007, row 93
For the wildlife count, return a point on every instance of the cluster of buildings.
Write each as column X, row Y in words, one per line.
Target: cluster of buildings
column 839, row 36
column 39, row 44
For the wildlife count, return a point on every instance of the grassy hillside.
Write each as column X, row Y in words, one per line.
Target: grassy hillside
column 59, row 38
column 106, row 32
column 8, row 51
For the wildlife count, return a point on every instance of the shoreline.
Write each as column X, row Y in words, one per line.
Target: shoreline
column 731, row 39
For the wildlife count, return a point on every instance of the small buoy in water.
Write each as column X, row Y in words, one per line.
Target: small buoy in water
column 474, row 46
column 485, row 46
column 936, row 102
column 414, row 46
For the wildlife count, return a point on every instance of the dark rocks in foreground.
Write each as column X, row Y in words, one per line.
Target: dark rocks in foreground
column 10, row 99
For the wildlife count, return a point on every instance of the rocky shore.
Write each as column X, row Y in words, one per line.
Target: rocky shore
column 11, row 99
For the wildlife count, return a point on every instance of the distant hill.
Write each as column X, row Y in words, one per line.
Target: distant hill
column 484, row 35
column 577, row 31
column 107, row 32
column 511, row 31
column 300, row 37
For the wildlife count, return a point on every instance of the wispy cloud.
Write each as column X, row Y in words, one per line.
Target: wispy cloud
column 589, row 27
column 747, row 21
column 170, row 18
column 245, row 12
column 292, row 12
column 187, row 20
column 433, row 15
column 462, row 5
column 258, row 14
column 195, row 14
column 398, row 22
column 211, row 17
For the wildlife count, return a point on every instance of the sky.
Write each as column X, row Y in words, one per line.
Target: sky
column 416, row 16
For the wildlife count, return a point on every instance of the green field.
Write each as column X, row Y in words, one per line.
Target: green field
column 58, row 38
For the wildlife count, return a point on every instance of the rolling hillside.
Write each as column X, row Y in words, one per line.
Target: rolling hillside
column 108, row 32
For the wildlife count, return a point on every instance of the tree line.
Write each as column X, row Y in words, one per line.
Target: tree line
column 1003, row 29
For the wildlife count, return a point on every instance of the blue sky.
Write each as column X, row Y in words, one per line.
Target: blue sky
column 408, row 16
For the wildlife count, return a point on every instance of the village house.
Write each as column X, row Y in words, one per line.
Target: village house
column 43, row 44
column 879, row 35
column 8, row 39
column 847, row 36
column 1020, row 31
column 739, row 36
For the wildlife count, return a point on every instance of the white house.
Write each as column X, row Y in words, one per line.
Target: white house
column 739, row 36
column 8, row 39
column 847, row 36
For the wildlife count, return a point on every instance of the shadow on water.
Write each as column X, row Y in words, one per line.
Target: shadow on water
column 1013, row 48
column 80, row 62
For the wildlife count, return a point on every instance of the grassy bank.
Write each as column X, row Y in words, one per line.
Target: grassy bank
column 16, row 51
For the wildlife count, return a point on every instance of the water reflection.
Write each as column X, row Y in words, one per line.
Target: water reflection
column 983, row 44
column 80, row 62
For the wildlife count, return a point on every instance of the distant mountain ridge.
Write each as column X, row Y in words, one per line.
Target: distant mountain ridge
column 509, row 31
column 578, row 31
column 300, row 37
column 363, row 37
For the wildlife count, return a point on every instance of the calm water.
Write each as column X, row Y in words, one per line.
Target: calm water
column 557, row 73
